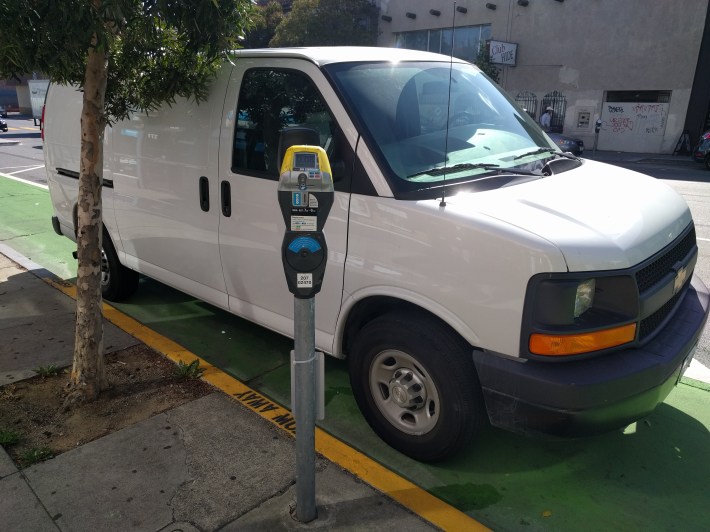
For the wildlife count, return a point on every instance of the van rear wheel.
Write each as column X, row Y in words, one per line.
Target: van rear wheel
column 416, row 385
column 117, row 281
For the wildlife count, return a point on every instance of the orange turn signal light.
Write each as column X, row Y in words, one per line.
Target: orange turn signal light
column 575, row 344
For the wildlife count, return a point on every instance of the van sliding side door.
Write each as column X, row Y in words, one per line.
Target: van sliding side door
column 166, row 194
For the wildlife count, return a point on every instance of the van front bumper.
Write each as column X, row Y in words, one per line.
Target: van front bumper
column 590, row 396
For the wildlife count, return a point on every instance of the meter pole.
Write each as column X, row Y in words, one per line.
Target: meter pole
column 305, row 196
column 305, row 410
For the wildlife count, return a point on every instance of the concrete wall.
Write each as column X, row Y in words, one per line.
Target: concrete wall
column 583, row 48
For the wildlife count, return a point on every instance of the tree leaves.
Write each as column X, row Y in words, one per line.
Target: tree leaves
column 157, row 49
column 328, row 23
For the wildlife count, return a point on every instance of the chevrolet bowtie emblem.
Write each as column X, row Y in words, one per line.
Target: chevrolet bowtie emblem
column 680, row 277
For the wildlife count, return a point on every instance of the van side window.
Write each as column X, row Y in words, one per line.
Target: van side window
column 269, row 101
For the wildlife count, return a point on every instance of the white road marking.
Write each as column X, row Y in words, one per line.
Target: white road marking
column 698, row 371
column 39, row 185
column 27, row 169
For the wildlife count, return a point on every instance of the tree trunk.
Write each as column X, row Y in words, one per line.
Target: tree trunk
column 88, row 376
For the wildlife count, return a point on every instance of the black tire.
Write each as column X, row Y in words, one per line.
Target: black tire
column 117, row 281
column 707, row 161
column 416, row 385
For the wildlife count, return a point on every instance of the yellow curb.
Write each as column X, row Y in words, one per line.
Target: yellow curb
column 408, row 494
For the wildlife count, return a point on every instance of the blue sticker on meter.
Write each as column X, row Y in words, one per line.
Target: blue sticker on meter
column 297, row 199
column 304, row 242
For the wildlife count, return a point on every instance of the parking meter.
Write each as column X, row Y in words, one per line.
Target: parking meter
column 305, row 196
column 597, row 129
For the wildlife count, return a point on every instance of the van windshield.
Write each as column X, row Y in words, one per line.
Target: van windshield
column 405, row 108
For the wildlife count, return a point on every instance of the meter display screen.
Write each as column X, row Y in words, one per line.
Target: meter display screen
column 305, row 160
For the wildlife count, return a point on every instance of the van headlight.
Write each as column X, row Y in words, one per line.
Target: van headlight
column 566, row 314
column 584, row 299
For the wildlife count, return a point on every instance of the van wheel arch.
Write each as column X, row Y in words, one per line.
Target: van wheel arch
column 373, row 307
column 117, row 281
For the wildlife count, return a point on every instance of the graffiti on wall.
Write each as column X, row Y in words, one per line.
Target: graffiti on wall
column 633, row 126
column 635, row 118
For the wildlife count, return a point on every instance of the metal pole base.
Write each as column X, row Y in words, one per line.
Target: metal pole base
column 304, row 408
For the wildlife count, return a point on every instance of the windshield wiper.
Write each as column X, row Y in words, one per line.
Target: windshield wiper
column 442, row 170
column 546, row 150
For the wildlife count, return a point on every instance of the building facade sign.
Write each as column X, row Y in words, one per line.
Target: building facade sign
column 503, row 53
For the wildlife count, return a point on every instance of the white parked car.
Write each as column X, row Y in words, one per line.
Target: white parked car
column 475, row 274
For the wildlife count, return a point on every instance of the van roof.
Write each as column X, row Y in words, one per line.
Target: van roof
column 323, row 55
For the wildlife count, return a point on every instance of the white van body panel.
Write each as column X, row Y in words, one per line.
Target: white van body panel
column 63, row 152
column 510, row 255
column 599, row 230
column 159, row 158
column 448, row 260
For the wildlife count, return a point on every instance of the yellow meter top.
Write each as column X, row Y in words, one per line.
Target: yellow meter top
column 304, row 158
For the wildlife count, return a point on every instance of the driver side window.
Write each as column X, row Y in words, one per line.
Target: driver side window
column 270, row 101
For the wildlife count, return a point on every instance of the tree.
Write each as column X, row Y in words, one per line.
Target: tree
column 126, row 56
column 328, row 23
column 265, row 20
column 483, row 61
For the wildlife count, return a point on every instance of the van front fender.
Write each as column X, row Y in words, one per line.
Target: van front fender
column 365, row 304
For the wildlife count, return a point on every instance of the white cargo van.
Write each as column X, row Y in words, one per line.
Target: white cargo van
column 475, row 273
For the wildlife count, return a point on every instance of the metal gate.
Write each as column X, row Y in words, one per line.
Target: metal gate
column 558, row 102
column 528, row 101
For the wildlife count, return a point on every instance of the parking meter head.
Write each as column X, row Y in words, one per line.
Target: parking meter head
column 305, row 188
column 305, row 196
column 310, row 160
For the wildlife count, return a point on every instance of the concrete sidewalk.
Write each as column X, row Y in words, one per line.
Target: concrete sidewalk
column 207, row 465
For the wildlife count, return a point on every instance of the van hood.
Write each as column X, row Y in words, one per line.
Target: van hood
column 600, row 217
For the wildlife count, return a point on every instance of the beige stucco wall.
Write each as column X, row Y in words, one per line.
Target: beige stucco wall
column 582, row 48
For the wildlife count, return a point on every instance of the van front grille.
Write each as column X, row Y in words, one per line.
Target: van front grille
column 654, row 272
column 649, row 275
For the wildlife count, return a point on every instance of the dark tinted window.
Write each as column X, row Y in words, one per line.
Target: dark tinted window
column 639, row 96
column 270, row 101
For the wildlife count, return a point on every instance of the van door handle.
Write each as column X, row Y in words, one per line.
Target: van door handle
column 226, row 199
column 204, row 194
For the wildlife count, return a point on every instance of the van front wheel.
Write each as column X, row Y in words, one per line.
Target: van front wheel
column 117, row 281
column 415, row 382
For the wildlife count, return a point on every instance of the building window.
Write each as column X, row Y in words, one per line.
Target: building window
column 639, row 96
column 466, row 40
